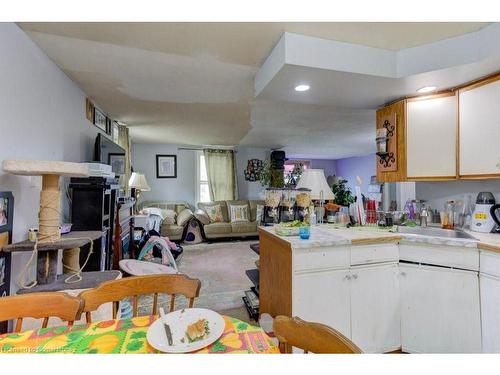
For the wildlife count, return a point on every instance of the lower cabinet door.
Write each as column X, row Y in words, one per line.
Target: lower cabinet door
column 440, row 310
column 323, row 297
column 375, row 310
column 490, row 313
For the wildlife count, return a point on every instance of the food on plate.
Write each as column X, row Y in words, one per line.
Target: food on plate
column 198, row 330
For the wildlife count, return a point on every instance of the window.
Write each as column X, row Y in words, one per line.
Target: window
column 202, row 191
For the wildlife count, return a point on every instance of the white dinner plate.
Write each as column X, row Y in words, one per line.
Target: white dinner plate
column 178, row 322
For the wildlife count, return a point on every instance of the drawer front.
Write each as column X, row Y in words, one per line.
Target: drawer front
column 321, row 258
column 449, row 256
column 489, row 263
column 377, row 253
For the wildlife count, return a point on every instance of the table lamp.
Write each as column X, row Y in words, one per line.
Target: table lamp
column 315, row 180
column 138, row 182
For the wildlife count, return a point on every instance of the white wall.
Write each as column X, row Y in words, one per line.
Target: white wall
column 181, row 188
column 249, row 189
column 437, row 193
column 42, row 117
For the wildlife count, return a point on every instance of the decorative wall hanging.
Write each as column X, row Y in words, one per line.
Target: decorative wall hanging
column 387, row 143
column 166, row 166
column 254, row 169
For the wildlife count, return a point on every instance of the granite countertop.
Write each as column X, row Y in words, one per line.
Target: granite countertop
column 327, row 235
column 324, row 235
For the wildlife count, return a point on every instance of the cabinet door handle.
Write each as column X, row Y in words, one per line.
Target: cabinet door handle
column 403, row 274
column 355, row 276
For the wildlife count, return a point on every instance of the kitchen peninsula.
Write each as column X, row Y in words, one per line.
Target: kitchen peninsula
column 387, row 291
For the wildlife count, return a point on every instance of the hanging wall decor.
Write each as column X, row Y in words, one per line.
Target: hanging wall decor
column 254, row 169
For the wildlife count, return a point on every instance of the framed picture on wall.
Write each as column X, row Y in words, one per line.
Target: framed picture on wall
column 117, row 162
column 114, row 131
column 100, row 120
column 166, row 166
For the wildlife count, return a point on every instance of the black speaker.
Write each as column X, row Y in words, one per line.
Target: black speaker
column 278, row 159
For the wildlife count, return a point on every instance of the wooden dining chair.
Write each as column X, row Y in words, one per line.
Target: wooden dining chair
column 38, row 306
column 116, row 290
column 310, row 337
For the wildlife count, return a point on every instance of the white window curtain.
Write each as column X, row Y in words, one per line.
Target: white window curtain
column 221, row 173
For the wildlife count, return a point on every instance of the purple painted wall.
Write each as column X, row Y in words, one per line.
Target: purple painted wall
column 327, row 165
column 363, row 166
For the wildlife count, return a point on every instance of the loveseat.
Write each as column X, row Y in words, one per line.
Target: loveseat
column 174, row 226
column 225, row 227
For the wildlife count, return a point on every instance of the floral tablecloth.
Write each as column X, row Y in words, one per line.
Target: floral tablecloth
column 128, row 336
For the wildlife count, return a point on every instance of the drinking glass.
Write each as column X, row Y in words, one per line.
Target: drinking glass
column 305, row 232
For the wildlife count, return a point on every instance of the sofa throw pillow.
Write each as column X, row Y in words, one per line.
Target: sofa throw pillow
column 238, row 213
column 214, row 213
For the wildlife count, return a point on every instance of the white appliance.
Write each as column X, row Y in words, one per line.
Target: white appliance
column 482, row 219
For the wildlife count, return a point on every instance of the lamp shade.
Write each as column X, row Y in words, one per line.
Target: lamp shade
column 315, row 180
column 138, row 181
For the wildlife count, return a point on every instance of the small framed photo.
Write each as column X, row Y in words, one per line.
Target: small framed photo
column 117, row 162
column 100, row 120
column 166, row 166
column 5, row 207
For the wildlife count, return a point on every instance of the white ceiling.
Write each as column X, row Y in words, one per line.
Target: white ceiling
column 193, row 83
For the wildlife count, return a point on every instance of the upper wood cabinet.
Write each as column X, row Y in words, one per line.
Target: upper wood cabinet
column 426, row 136
column 479, row 129
column 431, row 137
column 445, row 136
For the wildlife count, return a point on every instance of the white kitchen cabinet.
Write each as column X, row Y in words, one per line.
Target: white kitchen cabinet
column 431, row 138
column 324, row 297
column 375, row 310
column 490, row 313
column 440, row 310
column 479, row 129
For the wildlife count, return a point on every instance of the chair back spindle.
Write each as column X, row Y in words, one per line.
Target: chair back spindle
column 135, row 286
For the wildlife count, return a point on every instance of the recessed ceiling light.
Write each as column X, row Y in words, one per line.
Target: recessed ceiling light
column 426, row 89
column 302, row 88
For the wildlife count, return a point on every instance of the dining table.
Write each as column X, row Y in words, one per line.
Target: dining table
column 128, row 336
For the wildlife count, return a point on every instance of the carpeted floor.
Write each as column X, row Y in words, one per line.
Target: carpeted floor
column 221, row 269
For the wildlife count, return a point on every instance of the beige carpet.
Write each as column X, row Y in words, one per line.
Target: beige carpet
column 221, row 269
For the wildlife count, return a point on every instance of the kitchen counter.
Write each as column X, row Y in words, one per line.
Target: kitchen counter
column 329, row 235
column 487, row 241
column 326, row 235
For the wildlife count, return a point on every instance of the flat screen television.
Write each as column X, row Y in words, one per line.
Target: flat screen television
column 108, row 152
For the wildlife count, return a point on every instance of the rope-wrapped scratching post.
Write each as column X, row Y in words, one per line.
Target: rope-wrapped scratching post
column 50, row 209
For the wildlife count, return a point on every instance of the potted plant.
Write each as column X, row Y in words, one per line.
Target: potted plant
column 343, row 195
